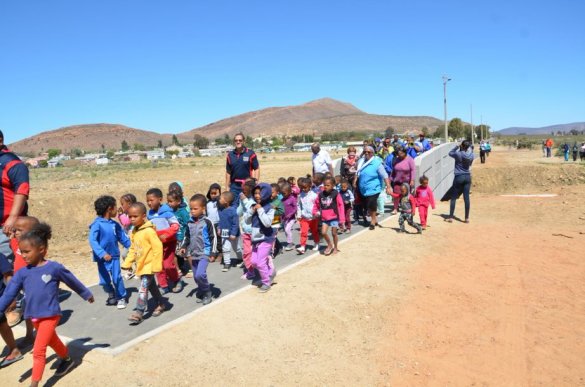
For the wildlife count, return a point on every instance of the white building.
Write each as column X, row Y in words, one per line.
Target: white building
column 156, row 154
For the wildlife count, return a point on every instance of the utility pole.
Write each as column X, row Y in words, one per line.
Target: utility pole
column 481, row 127
column 472, row 134
column 445, row 80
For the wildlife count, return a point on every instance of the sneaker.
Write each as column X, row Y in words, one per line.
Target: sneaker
column 316, row 248
column 206, row 298
column 301, row 250
column 257, row 282
column 226, row 267
column 272, row 276
column 289, row 247
column 121, row 304
column 65, row 366
column 264, row 288
column 111, row 300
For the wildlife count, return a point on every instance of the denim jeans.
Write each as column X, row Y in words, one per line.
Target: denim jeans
column 461, row 184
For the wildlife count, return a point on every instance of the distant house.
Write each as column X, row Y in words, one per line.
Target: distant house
column 156, row 154
column 183, row 155
column 54, row 162
column 102, row 161
column 302, row 147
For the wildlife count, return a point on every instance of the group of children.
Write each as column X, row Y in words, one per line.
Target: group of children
column 163, row 243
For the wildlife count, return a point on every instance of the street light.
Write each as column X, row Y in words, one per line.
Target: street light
column 445, row 80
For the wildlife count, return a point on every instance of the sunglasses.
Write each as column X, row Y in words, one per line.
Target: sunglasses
column 238, row 140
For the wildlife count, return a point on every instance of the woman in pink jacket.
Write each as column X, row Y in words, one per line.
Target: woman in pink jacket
column 403, row 172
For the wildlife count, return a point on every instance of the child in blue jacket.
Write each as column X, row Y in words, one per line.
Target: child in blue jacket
column 229, row 228
column 104, row 236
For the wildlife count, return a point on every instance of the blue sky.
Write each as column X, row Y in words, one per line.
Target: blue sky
column 175, row 65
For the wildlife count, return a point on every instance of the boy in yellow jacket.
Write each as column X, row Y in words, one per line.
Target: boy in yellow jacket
column 147, row 251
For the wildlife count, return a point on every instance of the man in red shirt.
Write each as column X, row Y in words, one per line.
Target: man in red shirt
column 13, row 196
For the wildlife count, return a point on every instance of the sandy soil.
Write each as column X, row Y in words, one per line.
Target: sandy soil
column 496, row 302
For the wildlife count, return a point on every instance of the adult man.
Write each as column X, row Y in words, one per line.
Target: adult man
column 397, row 141
column 322, row 162
column 14, row 194
column 422, row 145
column 385, row 149
column 241, row 163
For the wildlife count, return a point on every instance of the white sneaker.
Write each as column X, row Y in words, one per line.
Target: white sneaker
column 316, row 248
column 301, row 250
column 121, row 304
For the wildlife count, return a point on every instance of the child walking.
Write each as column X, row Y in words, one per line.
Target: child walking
column 246, row 202
column 166, row 225
column 177, row 203
column 146, row 250
column 125, row 202
column 14, row 353
column 348, row 199
column 424, row 198
column 289, row 202
column 276, row 203
column 212, row 211
column 295, row 189
column 307, row 220
column 329, row 206
column 104, row 236
column 199, row 246
column 406, row 208
column 263, row 235
column 40, row 280
column 229, row 228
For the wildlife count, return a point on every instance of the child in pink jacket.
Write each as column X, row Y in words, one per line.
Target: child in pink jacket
column 329, row 205
column 424, row 198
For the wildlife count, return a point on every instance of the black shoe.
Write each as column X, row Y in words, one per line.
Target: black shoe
column 372, row 227
column 111, row 300
column 65, row 366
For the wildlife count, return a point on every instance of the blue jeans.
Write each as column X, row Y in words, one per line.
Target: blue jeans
column 236, row 189
column 461, row 184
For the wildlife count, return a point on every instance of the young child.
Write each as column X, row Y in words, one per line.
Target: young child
column 318, row 182
column 329, row 206
column 177, row 203
column 166, row 225
column 23, row 225
column 199, row 245
column 276, row 203
column 406, row 208
column 146, row 250
column 348, row 200
column 295, row 190
column 424, row 197
column 229, row 228
column 125, row 202
column 212, row 212
column 104, row 236
column 40, row 280
column 338, row 182
column 246, row 202
column 289, row 203
column 307, row 220
column 263, row 235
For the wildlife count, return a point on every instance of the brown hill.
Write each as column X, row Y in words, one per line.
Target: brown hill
column 321, row 116
column 88, row 137
column 266, row 121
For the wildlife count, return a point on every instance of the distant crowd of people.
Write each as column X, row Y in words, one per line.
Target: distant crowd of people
column 566, row 150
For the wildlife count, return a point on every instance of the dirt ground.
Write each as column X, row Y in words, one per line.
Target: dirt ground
column 497, row 302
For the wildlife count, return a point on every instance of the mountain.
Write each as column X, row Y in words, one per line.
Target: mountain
column 88, row 137
column 543, row 130
column 320, row 116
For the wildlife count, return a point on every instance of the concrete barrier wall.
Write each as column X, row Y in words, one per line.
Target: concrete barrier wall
column 438, row 167
column 435, row 164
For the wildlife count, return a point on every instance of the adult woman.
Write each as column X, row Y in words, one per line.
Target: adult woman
column 349, row 164
column 404, row 171
column 369, row 178
column 463, row 156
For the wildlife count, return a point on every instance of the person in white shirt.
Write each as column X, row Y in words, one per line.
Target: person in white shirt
column 322, row 162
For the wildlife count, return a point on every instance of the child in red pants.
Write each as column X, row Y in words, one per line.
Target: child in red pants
column 424, row 198
column 40, row 281
column 305, row 216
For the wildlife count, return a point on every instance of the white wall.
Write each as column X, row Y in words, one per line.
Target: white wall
column 438, row 167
